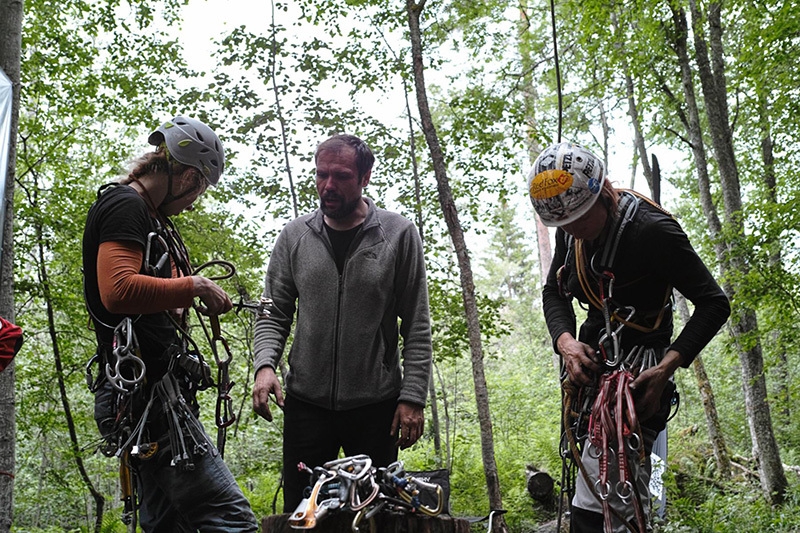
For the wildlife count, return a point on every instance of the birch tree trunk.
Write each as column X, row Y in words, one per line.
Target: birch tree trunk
column 744, row 324
column 10, row 45
column 414, row 10
column 435, row 425
column 781, row 372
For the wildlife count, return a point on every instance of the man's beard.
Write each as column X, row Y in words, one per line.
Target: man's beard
column 343, row 211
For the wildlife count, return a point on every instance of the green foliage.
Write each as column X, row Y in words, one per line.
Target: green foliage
column 698, row 505
column 96, row 77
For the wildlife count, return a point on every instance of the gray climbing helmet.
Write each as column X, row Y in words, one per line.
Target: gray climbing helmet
column 192, row 143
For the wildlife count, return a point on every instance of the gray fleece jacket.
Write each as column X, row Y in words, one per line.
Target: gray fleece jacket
column 344, row 352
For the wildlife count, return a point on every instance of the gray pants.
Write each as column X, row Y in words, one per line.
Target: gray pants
column 586, row 497
column 204, row 499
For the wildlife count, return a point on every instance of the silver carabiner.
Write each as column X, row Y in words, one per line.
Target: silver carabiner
column 615, row 360
column 129, row 368
column 624, row 491
column 606, row 489
column 153, row 269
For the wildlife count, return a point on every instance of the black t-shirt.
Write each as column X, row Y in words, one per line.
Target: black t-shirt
column 121, row 215
column 340, row 241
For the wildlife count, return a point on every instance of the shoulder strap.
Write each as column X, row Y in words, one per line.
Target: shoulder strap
column 626, row 209
column 641, row 196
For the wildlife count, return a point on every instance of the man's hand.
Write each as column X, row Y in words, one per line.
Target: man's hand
column 266, row 383
column 215, row 300
column 648, row 386
column 579, row 360
column 408, row 424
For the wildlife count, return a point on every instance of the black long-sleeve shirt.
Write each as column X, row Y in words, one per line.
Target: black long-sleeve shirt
column 653, row 255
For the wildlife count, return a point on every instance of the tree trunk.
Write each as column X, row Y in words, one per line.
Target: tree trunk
column 715, row 435
column 414, row 10
column 780, row 373
column 692, row 123
column 435, row 426
column 10, row 46
column 633, row 112
column 540, row 485
column 534, row 149
column 744, row 324
column 44, row 280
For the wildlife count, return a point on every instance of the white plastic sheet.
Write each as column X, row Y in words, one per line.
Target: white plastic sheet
column 5, row 139
column 658, row 460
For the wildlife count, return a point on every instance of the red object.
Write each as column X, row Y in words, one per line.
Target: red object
column 10, row 342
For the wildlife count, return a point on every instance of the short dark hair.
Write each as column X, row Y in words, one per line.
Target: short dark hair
column 364, row 157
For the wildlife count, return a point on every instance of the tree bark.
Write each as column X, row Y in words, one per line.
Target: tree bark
column 744, row 324
column 10, row 51
column 780, row 373
column 44, row 280
column 721, row 455
column 435, row 425
column 633, row 112
column 540, row 485
column 414, row 10
column 691, row 121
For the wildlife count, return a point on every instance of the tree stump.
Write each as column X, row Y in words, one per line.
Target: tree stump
column 540, row 485
column 342, row 521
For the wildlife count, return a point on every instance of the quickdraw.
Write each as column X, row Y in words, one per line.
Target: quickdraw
column 224, row 414
column 352, row 483
column 613, row 424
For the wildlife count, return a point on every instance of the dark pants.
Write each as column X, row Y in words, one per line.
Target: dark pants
column 172, row 500
column 313, row 435
column 206, row 498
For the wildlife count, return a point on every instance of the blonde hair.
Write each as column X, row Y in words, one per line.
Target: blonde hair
column 609, row 195
column 156, row 162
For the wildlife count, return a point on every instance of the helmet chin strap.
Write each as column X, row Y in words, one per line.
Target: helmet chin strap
column 170, row 198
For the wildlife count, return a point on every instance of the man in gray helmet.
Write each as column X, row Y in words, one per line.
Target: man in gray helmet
column 138, row 286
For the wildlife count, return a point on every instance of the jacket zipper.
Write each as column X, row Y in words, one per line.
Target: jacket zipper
column 354, row 244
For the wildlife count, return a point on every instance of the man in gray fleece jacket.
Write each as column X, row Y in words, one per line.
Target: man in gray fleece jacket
column 354, row 275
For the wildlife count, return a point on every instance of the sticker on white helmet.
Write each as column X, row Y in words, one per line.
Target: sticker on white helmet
column 550, row 183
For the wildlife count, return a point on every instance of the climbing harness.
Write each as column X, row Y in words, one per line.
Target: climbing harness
column 601, row 263
column 353, row 484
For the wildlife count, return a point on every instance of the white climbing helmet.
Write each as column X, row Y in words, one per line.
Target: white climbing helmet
column 564, row 183
column 192, row 143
